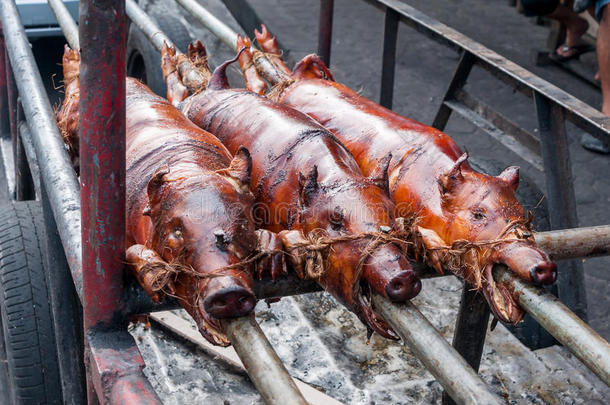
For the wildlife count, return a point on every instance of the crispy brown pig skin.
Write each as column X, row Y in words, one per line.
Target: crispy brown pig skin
column 429, row 177
column 309, row 184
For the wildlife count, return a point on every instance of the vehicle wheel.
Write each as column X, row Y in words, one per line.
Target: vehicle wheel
column 143, row 59
column 29, row 339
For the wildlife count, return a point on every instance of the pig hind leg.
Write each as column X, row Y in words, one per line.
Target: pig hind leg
column 67, row 116
column 252, row 80
column 268, row 44
column 176, row 90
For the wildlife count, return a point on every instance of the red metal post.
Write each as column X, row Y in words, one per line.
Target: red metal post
column 102, row 157
column 114, row 364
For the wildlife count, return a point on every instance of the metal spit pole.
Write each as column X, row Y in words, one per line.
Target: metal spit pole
column 66, row 22
column 560, row 322
column 147, row 25
column 218, row 28
column 573, row 243
column 57, row 173
column 263, row 365
column 449, row 368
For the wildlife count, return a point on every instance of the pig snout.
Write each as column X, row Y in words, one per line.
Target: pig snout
column 528, row 262
column 389, row 273
column 544, row 273
column 225, row 298
column 404, row 286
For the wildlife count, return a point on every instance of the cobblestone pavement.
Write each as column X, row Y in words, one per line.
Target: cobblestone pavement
column 422, row 73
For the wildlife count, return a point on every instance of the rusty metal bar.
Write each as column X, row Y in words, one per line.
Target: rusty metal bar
column 470, row 330
column 66, row 22
column 573, row 243
column 584, row 116
column 449, row 368
column 390, row 39
column 147, row 25
column 102, row 157
column 264, row 367
column 460, row 75
column 560, row 197
column 116, row 369
column 560, row 322
column 57, row 174
column 325, row 29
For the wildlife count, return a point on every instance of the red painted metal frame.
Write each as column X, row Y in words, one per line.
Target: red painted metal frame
column 113, row 361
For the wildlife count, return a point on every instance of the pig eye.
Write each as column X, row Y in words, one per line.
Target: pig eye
column 337, row 217
column 478, row 215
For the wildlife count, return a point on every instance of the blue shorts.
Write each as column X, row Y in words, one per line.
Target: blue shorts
column 599, row 7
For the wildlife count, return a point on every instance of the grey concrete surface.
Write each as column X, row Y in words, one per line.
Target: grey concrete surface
column 324, row 345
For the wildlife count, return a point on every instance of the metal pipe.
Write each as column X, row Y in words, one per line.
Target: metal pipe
column 30, row 154
column 147, row 25
column 325, row 29
column 578, row 242
column 218, row 28
column 263, row 365
column 388, row 67
column 449, row 368
column 57, row 174
column 66, row 22
column 560, row 322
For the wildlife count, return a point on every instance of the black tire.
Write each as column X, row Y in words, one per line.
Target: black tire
column 143, row 59
column 27, row 325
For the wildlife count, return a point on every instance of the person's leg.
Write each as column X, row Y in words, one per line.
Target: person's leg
column 576, row 27
column 603, row 57
column 603, row 60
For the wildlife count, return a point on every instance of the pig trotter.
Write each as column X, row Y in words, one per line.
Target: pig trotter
column 176, row 91
column 152, row 272
column 273, row 262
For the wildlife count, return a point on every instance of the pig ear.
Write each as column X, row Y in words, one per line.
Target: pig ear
column 454, row 175
column 240, row 168
column 379, row 175
column 510, row 176
column 156, row 181
column 308, row 185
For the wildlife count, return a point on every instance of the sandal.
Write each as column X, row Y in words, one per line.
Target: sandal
column 573, row 52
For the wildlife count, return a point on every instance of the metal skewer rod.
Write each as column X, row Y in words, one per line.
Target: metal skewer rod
column 573, row 243
column 262, row 363
column 449, row 368
column 560, row 322
column 66, row 22
column 147, row 25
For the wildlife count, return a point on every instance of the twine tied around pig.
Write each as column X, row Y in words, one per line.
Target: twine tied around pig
column 468, row 259
column 312, row 252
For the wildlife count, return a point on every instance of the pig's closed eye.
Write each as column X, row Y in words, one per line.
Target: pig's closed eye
column 478, row 215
